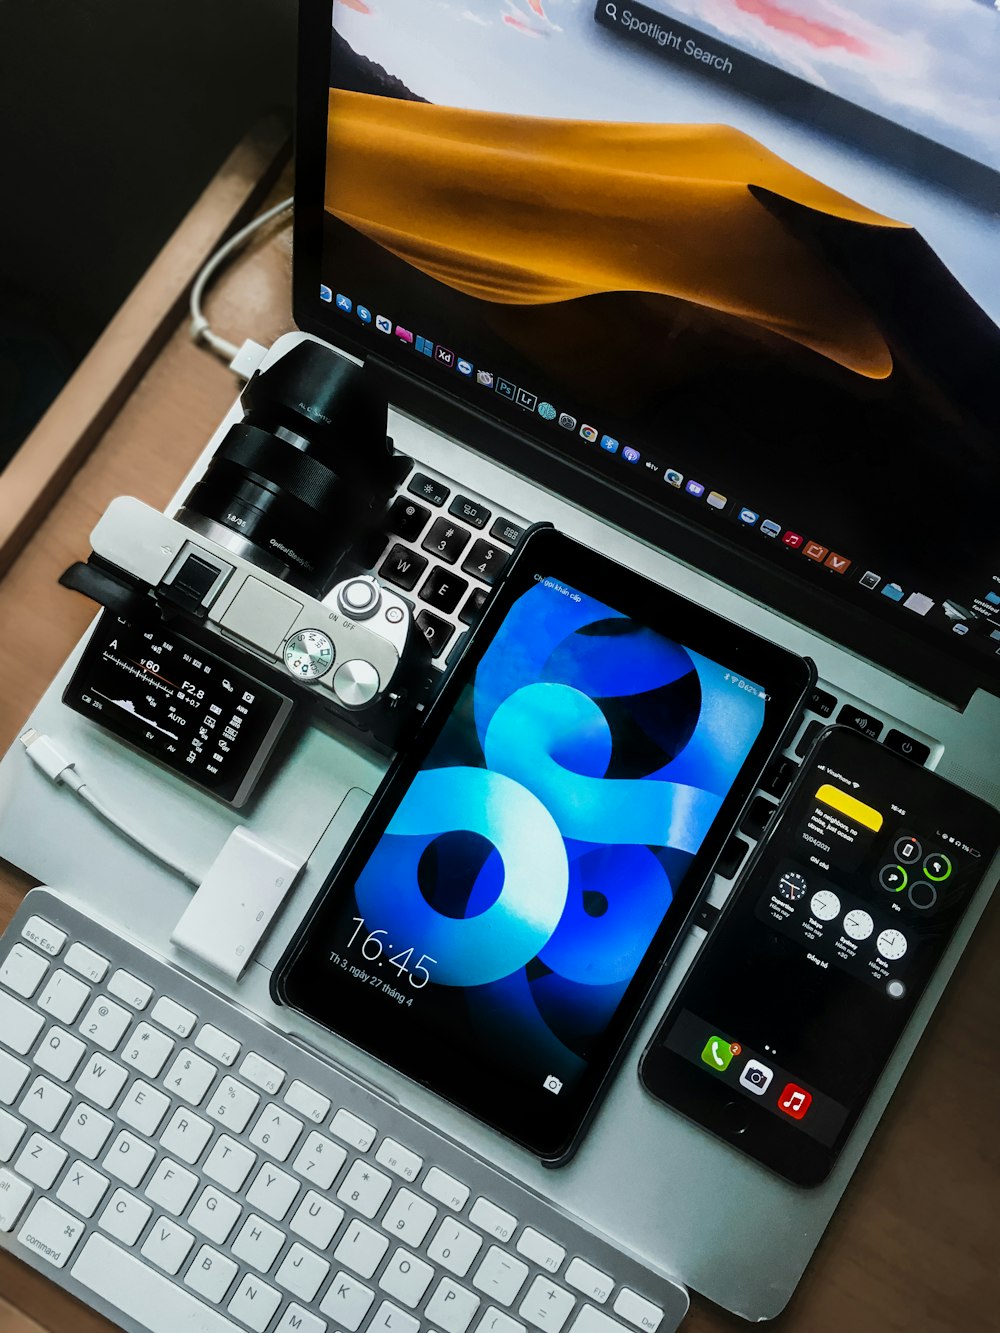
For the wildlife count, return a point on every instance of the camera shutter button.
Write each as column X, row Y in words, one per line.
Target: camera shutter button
column 356, row 683
column 359, row 598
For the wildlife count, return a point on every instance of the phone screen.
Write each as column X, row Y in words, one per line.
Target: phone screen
column 779, row 1034
column 501, row 916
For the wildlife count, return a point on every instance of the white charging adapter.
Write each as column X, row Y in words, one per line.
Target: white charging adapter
column 236, row 902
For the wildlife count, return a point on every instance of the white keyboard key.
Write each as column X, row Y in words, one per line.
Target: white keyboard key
column 87, row 1131
column 14, row 1195
column 148, row 1050
column 495, row 1321
column 254, row 1303
column 105, row 1023
column 592, row 1320
column 13, row 1076
column 637, row 1310
column 45, row 1104
column 43, row 935
column 82, row 1189
column 19, row 1025
column 454, row 1247
column 258, row 1243
column 591, row 1281
column 186, row 1135
column 388, row 1319
column 190, row 1077
column 217, row 1044
column 101, row 1081
column 346, row 1302
column 131, row 1286
column 229, row 1163
column 540, row 1250
column 452, row 1307
column 493, row 1220
column 361, row 1248
column 171, row 1187
column 307, row 1101
column 51, row 1232
column 11, row 1134
column 407, row 1278
column 318, row 1161
column 210, row 1275
column 272, row 1192
column 63, row 997
column 167, row 1245
column 409, row 1218
column 172, row 1016
column 135, row 993
column 60, row 1054
column 446, row 1189
column 276, row 1132
column 124, row 1217
column 129, row 1159
column 500, row 1275
column 262, row 1074
column 144, row 1107
column 354, row 1131
column 91, row 966
column 40, row 1161
column 301, row 1272
column 232, row 1104
column 214, row 1215
column 398, row 1159
column 316, row 1220
column 297, row 1320
column 22, row 970
column 364, row 1189
column 546, row 1305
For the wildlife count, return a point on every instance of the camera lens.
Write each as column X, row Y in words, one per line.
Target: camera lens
column 302, row 475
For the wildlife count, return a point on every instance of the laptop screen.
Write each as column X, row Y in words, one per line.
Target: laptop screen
column 551, row 211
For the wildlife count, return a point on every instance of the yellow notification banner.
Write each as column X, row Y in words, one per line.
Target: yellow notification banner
column 850, row 806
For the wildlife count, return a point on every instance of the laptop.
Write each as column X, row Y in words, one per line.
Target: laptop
column 741, row 351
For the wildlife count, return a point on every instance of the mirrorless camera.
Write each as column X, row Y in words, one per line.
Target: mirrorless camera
column 242, row 586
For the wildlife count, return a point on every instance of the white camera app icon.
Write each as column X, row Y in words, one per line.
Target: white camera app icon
column 553, row 1084
column 756, row 1077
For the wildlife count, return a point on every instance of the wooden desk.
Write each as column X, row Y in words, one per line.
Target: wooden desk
column 916, row 1242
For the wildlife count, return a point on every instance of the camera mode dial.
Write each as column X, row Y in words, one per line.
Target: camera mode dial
column 308, row 654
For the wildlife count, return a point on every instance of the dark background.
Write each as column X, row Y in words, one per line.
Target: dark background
column 114, row 115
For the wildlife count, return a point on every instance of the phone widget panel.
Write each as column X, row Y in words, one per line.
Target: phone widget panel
column 837, row 928
column 757, row 1076
column 919, row 873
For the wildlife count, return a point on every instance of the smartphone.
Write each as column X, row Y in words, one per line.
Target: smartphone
column 799, row 995
column 500, row 916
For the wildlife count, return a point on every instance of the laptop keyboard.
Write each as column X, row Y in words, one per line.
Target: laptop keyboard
column 165, row 1155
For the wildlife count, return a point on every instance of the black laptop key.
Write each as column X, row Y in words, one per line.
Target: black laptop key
column 907, row 746
column 406, row 518
column 758, row 816
column 443, row 590
column 807, row 738
column 778, row 776
column 821, row 702
column 473, row 607
column 475, row 514
column 485, row 561
column 434, row 492
column 446, row 540
column 435, row 630
column 402, row 567
column 507, row 532
column 860, row 719
column 731, row 857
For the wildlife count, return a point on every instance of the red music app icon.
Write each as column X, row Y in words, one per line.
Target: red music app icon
column 794, row 1101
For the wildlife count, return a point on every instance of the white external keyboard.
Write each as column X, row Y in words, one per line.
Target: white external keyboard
column 177, row 1164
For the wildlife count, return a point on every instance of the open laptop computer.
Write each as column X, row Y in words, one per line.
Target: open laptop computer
column 780, row 408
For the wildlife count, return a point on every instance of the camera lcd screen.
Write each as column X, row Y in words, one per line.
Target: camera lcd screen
column 498, row 920
column 178, row 704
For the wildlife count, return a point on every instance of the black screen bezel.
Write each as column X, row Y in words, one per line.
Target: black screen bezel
column 299, row 980
column 696, row 1093
column 913, row 652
